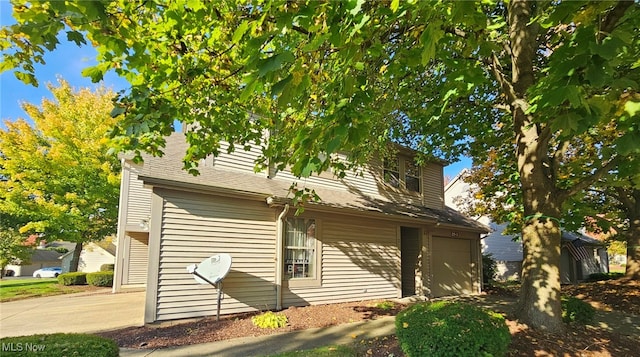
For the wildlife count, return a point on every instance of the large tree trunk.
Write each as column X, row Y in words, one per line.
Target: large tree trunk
column 539, row 304
column 633, row 251
column 75, row 258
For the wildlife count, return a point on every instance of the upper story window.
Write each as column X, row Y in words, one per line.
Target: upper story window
column 402, row 172
column 411, row 176
column 392, row 172
column 301, row 257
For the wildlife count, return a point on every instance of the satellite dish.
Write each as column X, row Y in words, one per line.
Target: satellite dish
column 211, row 270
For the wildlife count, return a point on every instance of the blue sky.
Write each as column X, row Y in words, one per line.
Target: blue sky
column 67, row 61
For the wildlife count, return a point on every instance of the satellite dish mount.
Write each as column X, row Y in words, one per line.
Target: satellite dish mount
column 212, row 271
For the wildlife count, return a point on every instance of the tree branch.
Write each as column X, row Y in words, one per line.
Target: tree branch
column 609, row 22
column 507, row 87
column 588, row 180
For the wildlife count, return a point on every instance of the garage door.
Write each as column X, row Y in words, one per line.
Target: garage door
column 451, row 266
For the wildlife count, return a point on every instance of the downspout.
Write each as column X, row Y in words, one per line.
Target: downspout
column 123, row 208
column 279, row 254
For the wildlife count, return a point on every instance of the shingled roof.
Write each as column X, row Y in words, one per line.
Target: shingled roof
column 167, row 171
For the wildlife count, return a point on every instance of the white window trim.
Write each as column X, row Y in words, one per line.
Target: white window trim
column 316, row 281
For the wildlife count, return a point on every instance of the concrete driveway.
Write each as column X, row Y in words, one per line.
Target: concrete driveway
column 78, row 313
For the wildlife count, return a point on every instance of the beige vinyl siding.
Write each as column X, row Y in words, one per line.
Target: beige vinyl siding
column 198, row 226
column 433, row 186
column 239, row 159
column 360, row 260
column 325, row 180
column 138, row 258
column 138, row 201
column 361, row 178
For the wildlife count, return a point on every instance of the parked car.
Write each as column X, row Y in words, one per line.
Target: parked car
column 50, row 272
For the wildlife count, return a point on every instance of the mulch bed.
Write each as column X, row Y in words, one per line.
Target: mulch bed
column 616, row 295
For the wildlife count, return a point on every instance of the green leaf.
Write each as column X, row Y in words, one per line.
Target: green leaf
column 248, row 90
column 395, row 4
column 279, row 86
column 629, row 143
column 343, row 102
column 117, row 110
column 632, row 107
column 357, row 7
column 274, row 63
column 333, row 144
column 308, row 169
column 26, row 78
column 240, row 31
column 95, row 73
column 429, row 40
column 195, row 5
column 567, row 122
column 76, row 37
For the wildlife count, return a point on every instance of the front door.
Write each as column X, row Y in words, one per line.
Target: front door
column 410, row 251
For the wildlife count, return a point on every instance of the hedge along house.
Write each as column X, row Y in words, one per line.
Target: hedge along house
column 382, row 234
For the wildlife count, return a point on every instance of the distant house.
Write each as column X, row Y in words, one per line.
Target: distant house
column 92, row 257
column 40, row 258
column 581, row 255
column 382, row 234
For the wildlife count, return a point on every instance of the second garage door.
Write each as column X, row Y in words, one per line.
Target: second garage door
column 451, row 264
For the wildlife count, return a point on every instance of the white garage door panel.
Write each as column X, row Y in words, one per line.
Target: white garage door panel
column 451, row 264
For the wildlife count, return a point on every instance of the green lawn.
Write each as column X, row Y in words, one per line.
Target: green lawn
column 16, row 289
column 59, row 344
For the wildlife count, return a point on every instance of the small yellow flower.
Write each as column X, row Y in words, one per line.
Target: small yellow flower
column 405, row 325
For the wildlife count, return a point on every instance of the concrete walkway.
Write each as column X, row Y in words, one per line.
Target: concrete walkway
column 80, row 313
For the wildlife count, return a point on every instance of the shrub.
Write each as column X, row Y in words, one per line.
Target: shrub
column 269, row 319
column 604, row 276
column 101, row 278
column 107, row 267
column 58, row 249
column 451, row 329
column 385, row 305
column 75, row 278
column 488, row 268
column 577, row 311
column 60, row 344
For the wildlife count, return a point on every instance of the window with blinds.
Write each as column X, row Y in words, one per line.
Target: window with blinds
column 300, row 256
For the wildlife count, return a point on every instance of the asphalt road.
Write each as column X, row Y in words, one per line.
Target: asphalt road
column 78, row 313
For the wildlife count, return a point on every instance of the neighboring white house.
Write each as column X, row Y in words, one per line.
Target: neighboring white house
column 40, row 258
column 92, row 257
column 382, row 234
column 580, row 255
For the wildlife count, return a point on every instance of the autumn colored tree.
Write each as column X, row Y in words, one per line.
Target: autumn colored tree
column 12, row 248
column 329, row 76
column 59, row 181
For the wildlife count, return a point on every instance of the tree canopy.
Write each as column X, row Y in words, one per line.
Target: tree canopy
column 59, row 181
column 327, row 76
